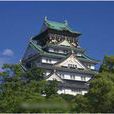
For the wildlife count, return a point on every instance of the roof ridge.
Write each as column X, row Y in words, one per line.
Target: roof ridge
column 55, row 22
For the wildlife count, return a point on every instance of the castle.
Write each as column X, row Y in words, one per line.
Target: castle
column 57, row 50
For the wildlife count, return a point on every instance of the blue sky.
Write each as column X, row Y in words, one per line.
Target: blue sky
column 19, row 21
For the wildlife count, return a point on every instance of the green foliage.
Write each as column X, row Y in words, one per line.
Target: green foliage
column 42, row 105
column 22, row 92
column 67, row 97
column 101, row 93
column 34, row 74
column 51, row 88
column 80, row 104
column 108, row 64
column 100, row 97
column 29, row 92
column 15, row 68
column 57, row 104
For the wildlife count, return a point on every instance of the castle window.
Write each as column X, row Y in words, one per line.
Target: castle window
column 65, row 51
column 79, row 91
column 49, row 60
column 72, row 66
column 64, row 66
column 83, row 78
column 73, row 90
column 46, row 60
column 62, row 76
column 56, row 50
column 72, row 77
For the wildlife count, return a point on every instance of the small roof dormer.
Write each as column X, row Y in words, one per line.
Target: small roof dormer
column 54, row 76
column 71, row 59
column 65, row 43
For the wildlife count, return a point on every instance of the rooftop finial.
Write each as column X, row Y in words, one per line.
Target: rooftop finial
column 45, row 18
column 66, row 22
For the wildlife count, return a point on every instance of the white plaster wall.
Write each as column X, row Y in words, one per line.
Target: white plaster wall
column 83, row 92
column 51, row 61
column 51, row 50
column 88, row 78
column 60, row 91
column 61, row 51
column 69, row 91
column 77, row 76
column 43, row 60
column 67, row 76
column 92, row 67
column 78, row 54
column 47, row 73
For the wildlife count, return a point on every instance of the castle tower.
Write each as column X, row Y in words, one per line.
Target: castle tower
column 56, row 49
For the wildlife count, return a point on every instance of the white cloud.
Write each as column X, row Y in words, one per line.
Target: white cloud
column 8, row 52
column 6, row 57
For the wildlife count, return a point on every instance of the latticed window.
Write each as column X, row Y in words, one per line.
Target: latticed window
column 79, row 91
column 72, row 77
column 83, row 78
column 62, row 75
column 72, row 66
column 48, row 60
column 65, row 51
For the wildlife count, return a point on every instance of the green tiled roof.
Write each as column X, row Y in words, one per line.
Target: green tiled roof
column 59, row 26
column 64, row 47
column 67, row 69
column 37, row 47
column 87, row 59
column 91, row 59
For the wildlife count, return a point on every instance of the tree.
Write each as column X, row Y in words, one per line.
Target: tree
column 14, row 90
column 108, row 64
column 100, row 97
column 22, row 91
column 101, row 93
column 80, row 104
column 67, row 97
column 34, row 74
column 51, row 88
